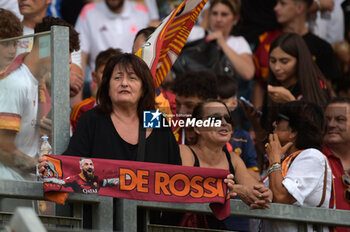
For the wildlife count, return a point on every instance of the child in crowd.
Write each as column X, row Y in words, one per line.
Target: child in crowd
column 10, row 26
column 240, row 143
column 90, row 102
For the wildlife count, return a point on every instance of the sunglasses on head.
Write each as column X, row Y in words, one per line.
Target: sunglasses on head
column 346, row 182
column 282, row 116
column 227, row 117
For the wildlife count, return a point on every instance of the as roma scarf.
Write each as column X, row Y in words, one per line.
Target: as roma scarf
column 165, row 44
column 137, row 180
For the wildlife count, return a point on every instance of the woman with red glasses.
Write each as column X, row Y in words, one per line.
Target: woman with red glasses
column 208, row 152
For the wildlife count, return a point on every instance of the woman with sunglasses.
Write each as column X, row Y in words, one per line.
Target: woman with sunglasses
column 207, row 151
column 299, row 174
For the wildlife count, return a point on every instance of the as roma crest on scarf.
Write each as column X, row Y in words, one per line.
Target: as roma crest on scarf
column 53, row 168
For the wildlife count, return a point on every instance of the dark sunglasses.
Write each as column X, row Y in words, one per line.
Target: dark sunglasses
column 346, row 182
column 219, row 117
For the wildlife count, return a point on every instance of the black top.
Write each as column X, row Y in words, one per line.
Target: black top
column 96, row 137
column 346, row 8
column 70, row 10
column 324, row 56
column 228, row 157
column 257, row 16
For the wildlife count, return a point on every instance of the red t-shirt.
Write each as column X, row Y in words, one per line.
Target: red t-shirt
column 261, row 55
column 337, row 171
column 79, row 109
column 79, row 184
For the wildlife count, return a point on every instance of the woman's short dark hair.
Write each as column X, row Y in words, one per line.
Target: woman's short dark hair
column 227, row 86
column 126, row 60
column 201, row 84
column 145, row 32
column 307, row 120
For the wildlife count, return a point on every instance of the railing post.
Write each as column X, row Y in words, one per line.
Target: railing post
column 25, row 219
column 102, row 214
column 60, row 88
column 302, row 227
column 126, row 215
column 78, row 211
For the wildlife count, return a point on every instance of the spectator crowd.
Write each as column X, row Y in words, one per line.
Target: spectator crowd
column 274, row 73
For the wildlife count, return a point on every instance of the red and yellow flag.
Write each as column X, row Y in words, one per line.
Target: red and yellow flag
column 162, row 48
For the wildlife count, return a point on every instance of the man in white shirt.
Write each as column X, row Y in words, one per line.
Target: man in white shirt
column 33, row 12
column 111, row 23
column 19, row 129
column 329, row 25
column 12, row 6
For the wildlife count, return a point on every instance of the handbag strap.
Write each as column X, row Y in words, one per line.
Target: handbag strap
column 141, row 144
column 324, row 185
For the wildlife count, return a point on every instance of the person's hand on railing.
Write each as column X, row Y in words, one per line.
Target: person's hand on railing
column 257, row 197
column 264, row 196
column 230, row 184
column 252, row 196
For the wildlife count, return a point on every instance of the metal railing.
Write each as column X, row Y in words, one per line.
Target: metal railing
column 291, row 213
column 102, row 207
column 126, row 210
